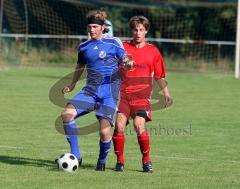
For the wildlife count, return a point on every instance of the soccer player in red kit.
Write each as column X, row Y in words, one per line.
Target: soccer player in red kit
column 136, row 89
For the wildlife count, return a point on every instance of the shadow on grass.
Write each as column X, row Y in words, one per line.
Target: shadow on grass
column 125, row 169
column 87, row 166
column 38, row 163
column 50, row 165
column 27, row 161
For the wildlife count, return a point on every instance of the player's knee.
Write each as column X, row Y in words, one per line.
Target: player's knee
column 69, row 113
column 137, row 124
column 121, row 122
column 67, row 116
column 105, row 134
column 105, row 130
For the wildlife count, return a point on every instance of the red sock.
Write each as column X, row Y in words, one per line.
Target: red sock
column 118, row 142
column 144, row 143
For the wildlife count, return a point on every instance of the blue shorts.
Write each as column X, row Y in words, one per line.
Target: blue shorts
column 103, row 100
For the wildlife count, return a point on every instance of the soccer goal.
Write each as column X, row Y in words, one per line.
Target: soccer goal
column 199, row 35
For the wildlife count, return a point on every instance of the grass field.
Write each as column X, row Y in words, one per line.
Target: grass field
column 198, row 145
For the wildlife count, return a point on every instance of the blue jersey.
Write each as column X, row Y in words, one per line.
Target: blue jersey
column 101, row 91
column 101, row 58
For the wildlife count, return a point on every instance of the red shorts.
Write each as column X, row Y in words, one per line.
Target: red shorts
column 133, row 107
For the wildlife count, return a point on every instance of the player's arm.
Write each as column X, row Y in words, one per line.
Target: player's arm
column 159, row 75
column 123, row 58
column 77, row 74
column 163, row 85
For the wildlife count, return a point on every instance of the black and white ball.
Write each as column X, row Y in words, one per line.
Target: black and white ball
column 68, row 162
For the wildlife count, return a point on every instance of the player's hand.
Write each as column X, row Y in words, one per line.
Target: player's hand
column 129, row 62
column 68, row 89
column 168, row 101
column 129, row 65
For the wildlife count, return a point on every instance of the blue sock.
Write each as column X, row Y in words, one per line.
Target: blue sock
column 71, row 132
column 104, row 149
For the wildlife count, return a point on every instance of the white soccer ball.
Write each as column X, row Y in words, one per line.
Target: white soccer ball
column 68, row 162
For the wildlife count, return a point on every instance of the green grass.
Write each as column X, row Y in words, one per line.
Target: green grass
column 207, row 156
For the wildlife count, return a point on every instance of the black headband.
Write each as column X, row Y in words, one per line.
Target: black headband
column 95, row 21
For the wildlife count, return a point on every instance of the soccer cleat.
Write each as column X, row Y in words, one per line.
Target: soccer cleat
column 147, row 167
column 100, row 166
column 119, row 167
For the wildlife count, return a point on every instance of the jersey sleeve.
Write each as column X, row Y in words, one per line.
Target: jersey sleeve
column 120, row 52
column 159, row 67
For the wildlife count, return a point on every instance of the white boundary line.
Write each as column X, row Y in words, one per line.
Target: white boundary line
column 12, row 147
column 198, row 159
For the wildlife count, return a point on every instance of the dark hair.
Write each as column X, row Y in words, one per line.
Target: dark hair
column 136, row 20
column 95, row 16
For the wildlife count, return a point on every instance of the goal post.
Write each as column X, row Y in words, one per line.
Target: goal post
column 1, row 21
column 237, row 51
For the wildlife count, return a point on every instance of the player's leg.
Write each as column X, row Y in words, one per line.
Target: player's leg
column 143, row 139
column 118, row 140
column 70, row 128
column 80, row 104
column 106, row 114
column 118, row 135
column 104, row 143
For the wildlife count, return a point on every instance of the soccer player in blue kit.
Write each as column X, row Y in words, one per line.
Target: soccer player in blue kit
column 101, row 57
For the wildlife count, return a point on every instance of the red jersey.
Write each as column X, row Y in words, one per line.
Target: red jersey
column 148, row 63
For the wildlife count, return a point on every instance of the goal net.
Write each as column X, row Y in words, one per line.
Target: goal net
column 190, row 34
